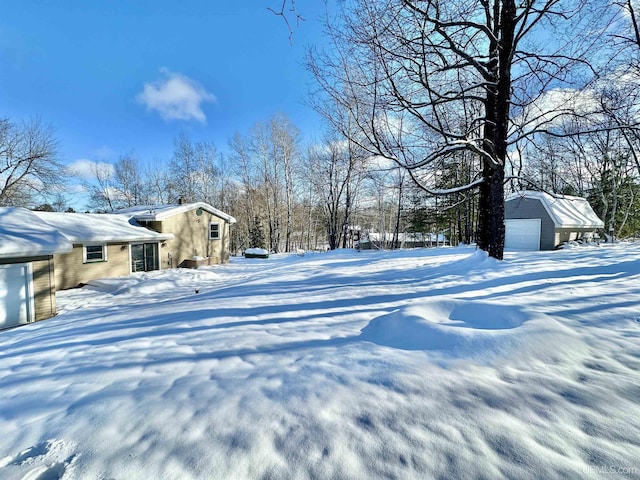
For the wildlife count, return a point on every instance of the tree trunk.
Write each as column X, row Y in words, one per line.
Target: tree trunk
column 396, row 230
column 347, row 213
column 491, row 213
column 491, row 202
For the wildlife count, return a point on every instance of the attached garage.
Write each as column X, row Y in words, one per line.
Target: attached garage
column 27, row 281
column 16, row 291
column 540, row 221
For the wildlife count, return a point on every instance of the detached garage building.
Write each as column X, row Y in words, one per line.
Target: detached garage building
column 539, row 221
column 27, row 280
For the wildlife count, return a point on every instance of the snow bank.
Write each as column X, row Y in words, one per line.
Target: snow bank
column 413, row 364
column 153, row 283
column 463, row 328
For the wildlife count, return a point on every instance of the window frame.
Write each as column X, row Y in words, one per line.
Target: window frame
column 85, row 258
column 219, row 235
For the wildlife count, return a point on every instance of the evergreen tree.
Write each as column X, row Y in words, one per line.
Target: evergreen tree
column 256, row 234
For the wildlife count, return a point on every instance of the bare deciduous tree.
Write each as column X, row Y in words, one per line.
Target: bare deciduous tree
column 289, row 14
column 630, row 36
column 429, row 80
column 129, row 181
column 335, row 171
column 195, row 170
column 29, row 165
column 103, row 193
column 266, row 161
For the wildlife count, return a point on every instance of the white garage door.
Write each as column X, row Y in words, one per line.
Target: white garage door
column 521, row 234
column 16, row 294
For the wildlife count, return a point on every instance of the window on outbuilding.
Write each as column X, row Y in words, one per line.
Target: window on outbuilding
column 214, row 231
column 94, row 253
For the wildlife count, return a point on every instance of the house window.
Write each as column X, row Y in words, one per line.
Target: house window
column 94, row 253
column 144, row 257
column 214, row 231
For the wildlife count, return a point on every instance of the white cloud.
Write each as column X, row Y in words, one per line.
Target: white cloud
column 104, row 152
column 176, row 97
column 554, row 107
column 87, row 169
column 381, row 163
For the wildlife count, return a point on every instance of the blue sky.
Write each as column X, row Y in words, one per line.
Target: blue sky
column 121, row 76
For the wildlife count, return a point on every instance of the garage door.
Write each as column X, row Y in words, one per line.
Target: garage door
column 522, row 234
column 16, row 294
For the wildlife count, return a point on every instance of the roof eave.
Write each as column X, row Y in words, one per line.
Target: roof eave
column 580, row 226
column 37, row 253
column 121, row 239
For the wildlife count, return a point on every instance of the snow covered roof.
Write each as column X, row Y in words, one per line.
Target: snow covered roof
column 99, row 227
column 23, row 234
column 153, row 213
column 566, row 211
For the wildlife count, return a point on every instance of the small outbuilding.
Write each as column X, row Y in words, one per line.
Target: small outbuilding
column 540, row 221
column 27, row 274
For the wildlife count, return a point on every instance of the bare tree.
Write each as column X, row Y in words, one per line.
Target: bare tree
column 619, row 103
column 103, row 193
column 270, row 170
column 285, row 139
column 335, row 172
column 606, row 158
column 195, row 170
column 246, row 207
column 158, row 184
column 594, row 155
column 629, row 37
column 429, row 80
column 266, row 161
column 29, row 166
column 289, row 14
column 59, row 202
column 129, row 181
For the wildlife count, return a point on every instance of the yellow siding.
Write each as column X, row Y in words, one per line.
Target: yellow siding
column 72, row 272
column 191, row 238
column 44, row 288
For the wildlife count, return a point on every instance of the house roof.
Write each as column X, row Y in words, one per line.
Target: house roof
column 99, row 227
column 154, row 213
column 23, row 234
column 566, row 211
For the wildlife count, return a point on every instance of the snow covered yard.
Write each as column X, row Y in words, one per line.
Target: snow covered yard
column 417, row 364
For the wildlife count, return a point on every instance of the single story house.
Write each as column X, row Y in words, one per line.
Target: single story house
column 540, row 221
column 103, row 246
column 41, row 252
column 200, row 232
column 27, row 279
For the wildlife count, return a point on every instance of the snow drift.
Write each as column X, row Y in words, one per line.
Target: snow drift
column 463, row 328
column 414, row 364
